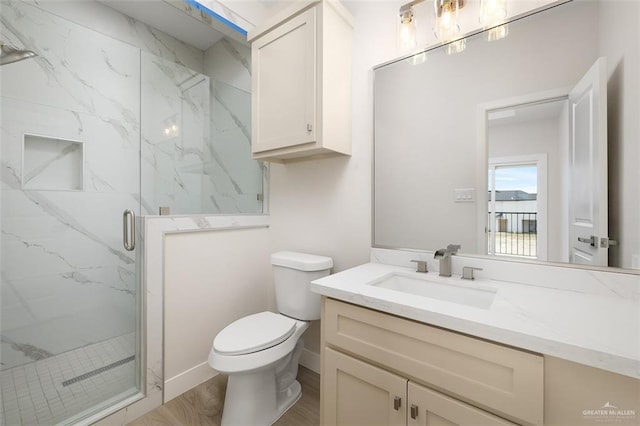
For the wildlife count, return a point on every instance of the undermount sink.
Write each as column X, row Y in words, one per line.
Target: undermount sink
column 437, row 288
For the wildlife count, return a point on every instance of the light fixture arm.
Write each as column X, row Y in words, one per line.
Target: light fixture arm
column 407, row 7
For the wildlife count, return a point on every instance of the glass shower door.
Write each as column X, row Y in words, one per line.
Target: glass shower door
column 70, row 158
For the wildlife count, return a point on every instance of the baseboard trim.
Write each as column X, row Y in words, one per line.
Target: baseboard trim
column 310, row 359
column 180, row 383
column 186, row 380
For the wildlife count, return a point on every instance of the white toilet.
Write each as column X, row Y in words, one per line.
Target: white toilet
column 260, row 352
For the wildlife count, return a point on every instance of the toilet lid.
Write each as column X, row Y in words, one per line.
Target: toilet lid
column 254, row 333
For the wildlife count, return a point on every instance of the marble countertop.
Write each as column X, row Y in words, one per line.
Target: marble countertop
column 592, row 329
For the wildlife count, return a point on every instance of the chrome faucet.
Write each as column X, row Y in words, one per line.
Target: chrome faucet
column 444, row 256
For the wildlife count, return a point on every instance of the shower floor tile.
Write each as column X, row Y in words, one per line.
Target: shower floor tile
column 34, row 393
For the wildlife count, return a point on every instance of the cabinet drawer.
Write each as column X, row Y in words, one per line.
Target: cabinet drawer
column 503, row 380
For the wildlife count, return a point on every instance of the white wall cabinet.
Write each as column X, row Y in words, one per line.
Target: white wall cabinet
column 301, row 83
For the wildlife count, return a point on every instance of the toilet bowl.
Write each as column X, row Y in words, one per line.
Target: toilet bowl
column 260, row 352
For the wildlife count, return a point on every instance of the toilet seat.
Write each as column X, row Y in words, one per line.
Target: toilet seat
column 254, row 333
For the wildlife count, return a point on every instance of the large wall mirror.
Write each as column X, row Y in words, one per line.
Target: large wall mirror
column 523, row 148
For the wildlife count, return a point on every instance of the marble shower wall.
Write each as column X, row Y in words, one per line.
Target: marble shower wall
column 234, row 184
column 175, row 136
column 66, row 279
column 237, row 183
column 196, row 140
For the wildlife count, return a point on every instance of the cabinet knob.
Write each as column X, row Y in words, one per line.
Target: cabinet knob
column 414, row 411
column 397, row 402
column 309, row 127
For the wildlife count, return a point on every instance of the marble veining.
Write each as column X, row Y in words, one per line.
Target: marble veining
column 196, row 142
column 237, row 55
column 59, row 76
column 28, row 350
column 83, row 275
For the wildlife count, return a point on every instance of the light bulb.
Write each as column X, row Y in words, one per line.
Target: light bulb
column 446, row 14
column 407, row 31
column 493, row 13
column 446, row 20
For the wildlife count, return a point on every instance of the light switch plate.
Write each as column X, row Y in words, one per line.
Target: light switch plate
column 464, row 195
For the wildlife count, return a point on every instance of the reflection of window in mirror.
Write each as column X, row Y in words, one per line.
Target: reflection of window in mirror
column 517, row 207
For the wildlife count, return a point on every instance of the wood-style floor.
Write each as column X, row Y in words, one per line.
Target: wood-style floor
column 202, row 405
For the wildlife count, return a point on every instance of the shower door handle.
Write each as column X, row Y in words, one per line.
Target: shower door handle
column 129, row 230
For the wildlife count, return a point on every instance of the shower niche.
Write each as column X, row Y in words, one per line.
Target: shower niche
column 50, row 163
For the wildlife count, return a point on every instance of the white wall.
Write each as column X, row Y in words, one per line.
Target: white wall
column 211, row 278
column 619, row 41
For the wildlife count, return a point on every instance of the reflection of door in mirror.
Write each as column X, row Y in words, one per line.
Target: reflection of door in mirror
column 588, row 210
column 529, row 130
column 517, row 211
column 572, row 135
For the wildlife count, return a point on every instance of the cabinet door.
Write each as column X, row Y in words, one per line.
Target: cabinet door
column 284, row 85
column 428, row 407
column 357, row 393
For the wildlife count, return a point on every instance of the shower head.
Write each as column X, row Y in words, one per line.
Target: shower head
column 9, row 54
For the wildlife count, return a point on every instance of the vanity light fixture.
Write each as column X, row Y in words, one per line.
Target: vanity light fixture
column 446, row 28
column 493, row 14
column 407, row 28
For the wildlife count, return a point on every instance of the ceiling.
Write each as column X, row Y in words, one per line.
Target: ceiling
column 528, row 112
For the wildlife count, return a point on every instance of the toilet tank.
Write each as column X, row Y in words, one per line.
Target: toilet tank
column 292, row 275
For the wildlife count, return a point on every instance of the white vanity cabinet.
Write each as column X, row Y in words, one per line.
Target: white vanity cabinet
column 381, row 369
column 301, row 83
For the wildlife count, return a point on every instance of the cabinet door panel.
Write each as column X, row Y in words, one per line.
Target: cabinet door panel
column 436, row 409
column 356, row 393
column 284, row 89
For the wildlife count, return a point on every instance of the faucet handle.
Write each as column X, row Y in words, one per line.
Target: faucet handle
column 453, row 248
column 421, row 265
column 467, row 272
